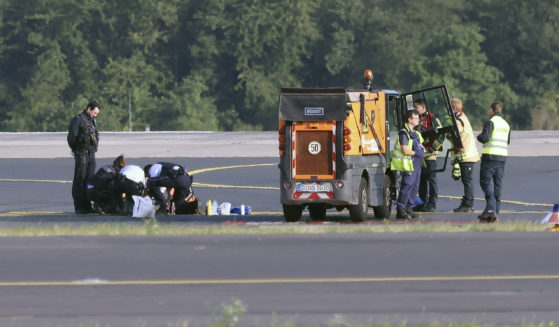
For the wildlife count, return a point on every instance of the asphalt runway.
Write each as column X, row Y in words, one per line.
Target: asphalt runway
column 36, row 190
column 411, row 278
column 306, row 280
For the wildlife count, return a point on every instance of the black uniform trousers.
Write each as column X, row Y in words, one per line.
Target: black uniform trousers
column 490, row 180
column 84, row 169
column 180, row 183
column 466, row 175
column 428, row 191
column 106, row 197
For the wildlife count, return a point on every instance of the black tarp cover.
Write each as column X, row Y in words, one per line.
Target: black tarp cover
column 324, row 104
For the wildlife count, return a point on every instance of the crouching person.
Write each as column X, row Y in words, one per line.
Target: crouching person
column 102, row 187
column 132, row 182
column 170, row 186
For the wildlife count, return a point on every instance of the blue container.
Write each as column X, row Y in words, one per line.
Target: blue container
column 247, row 210
column 417, row 201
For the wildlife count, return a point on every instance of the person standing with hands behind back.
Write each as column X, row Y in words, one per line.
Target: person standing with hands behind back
column 495, row 137
column 407, row 157
column 83, row 138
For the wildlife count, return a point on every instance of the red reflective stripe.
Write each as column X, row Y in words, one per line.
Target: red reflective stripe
column 313, row 196
column 334, row 150
column 293, row 150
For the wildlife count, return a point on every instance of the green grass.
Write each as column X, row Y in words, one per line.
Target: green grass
column 230, row 315
column 335, row 322
column 153, row 227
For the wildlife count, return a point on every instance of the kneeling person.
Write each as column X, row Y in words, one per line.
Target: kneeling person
column 102, row 187
column 178, row 188
column 132, row 183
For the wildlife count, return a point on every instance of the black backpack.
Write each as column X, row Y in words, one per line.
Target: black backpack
column 103, row 176
column 172, row 170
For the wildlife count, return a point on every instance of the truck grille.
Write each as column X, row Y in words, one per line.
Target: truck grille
column 313, row 164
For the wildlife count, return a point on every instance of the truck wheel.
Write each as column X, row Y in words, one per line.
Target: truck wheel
column 383, row 212
column 292, row 213
column 317, row 212
column 358, row 212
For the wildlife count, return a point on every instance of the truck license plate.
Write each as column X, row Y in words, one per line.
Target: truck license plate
column 314, row 187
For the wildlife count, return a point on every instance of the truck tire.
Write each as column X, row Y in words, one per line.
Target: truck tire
column 358, row 212
column 383, row 211
column 292, row 213
column 317, row 212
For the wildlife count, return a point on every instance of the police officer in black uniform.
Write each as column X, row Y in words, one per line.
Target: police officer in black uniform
column 83, row 137
column 102, row 188
column 172, row 177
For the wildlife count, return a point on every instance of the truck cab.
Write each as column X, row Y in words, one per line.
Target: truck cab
column 335, row 147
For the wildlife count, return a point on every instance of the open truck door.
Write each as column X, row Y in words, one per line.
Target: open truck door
column 437, row 102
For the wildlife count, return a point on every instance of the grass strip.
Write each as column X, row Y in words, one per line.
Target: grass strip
column 153, row 227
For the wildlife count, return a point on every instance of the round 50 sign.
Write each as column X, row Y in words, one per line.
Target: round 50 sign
column 314, row 147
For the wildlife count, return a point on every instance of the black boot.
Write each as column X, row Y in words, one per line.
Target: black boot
column 401, row 213
column 463, row 208
column 487, row 217
column 412, row 214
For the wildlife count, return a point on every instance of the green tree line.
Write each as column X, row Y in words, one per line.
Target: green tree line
column 219, row 64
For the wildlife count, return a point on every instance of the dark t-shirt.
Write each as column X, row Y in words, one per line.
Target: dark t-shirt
column 404, row 139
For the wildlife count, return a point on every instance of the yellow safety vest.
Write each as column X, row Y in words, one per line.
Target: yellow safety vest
column 498, row 142
column 469, row 152
column 400, row 161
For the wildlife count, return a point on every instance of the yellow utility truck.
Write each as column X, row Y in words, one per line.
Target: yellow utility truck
column 335, row 147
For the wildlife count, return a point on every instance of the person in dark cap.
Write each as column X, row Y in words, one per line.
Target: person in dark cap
column 83, row 138
column 102, row 188
column 177, row 184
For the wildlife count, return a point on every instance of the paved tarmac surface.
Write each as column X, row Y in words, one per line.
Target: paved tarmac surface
column 137, row 281
column 44, row 186
column 308, row 280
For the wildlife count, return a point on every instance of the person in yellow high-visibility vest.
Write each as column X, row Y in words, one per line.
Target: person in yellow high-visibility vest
column 407, row 158
column 495, row 137
column 465, row 158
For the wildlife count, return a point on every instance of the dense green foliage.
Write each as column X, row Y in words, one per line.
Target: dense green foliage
column 219, row 64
